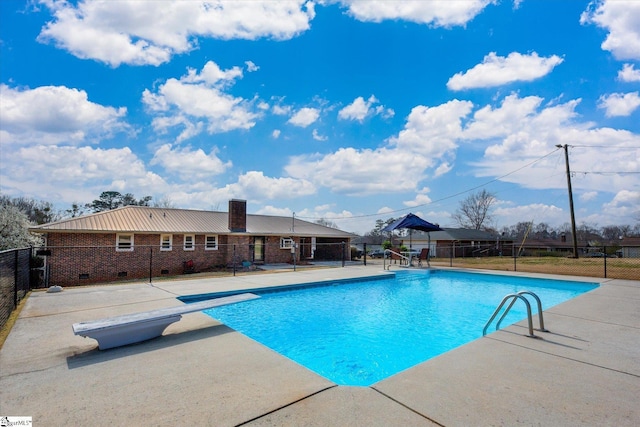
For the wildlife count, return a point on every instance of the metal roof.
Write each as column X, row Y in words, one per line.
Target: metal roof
column 144, row 219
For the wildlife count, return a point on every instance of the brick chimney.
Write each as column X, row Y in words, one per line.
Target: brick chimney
column 237, row 215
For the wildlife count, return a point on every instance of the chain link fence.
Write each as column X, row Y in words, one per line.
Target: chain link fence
column 603, row 261
column 83, row 265
column 15, row 280
column 27, row 268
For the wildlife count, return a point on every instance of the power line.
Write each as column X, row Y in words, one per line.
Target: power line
column 619, row 147
column 448, row 197
column 607, row 172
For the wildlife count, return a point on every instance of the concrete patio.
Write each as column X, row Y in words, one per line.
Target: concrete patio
column 585, row 372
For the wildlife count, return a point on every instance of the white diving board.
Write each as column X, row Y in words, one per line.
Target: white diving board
column 131, row 328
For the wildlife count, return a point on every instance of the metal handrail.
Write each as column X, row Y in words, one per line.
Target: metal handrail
column 389, row 251
column 540, row 317
column 504, row 300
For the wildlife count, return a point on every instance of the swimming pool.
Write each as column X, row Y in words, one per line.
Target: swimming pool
column 359, row 332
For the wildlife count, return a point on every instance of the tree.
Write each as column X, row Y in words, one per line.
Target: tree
column 475, row 211
column 37, row 211
column 517, row 231
column 76, row 210
column 165, row 202
column 112, row 199
column 380, row 224
column 326, row 223
column 542, row 231
column 588, row 233
column 14, row 229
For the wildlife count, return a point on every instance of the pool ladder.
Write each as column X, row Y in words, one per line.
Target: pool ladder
column 514, row 298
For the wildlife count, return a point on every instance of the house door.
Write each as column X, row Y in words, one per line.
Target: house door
column 258, row 249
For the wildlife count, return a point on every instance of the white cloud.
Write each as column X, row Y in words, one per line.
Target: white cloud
column 442, row 169
column 304, row 117
column 429, row 134
column 360, row 109
column 358, row 172
column 55, row 114
column 280, row 110
column 256, row 187
column 625, row 203
column 519, row 133
column 188, row 163
column 190, row 128
column 275, row 134
column 272, row 210
column 141, row 33
column 251, row 67
column 386, row 113
column 70, row 174
column 432, row 131
column 536, row 212
column 435, row 13
column 385, row 210
column 622, row 20
column 198, row 99
column 489, row 122
column 212, row 75
column 422, row 198
column 629, row 74
column 587, row 196
column 619, row 104
column 626, row 197
column 357, row 110
column 497, row 70
column 317, row 136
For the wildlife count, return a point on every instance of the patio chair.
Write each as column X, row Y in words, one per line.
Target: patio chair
column 395, row 255
column 424, row 255
column 188, row 267
column 248, row 266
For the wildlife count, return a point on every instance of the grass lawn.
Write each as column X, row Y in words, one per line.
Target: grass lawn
column 616, row 268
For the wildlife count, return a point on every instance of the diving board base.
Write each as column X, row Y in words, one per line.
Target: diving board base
column 131, row 328
column 117, row 336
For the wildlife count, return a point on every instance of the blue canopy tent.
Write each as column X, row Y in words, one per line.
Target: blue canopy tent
column 413, row 222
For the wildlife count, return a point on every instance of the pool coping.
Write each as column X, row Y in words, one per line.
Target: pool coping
column 586, row 372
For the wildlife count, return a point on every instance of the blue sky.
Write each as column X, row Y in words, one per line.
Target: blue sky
column 349, row 111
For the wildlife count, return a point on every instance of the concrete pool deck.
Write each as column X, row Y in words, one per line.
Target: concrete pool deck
column 585, row 372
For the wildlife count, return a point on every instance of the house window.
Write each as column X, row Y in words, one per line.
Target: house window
column 189, row 242
column 166, row 242
column 124, row 242
column 211, row 243
column 286, row 243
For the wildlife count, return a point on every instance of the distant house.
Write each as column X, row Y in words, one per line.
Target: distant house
column 459, row 242
column 140, row 241
column 538, row 246
column 630, row 247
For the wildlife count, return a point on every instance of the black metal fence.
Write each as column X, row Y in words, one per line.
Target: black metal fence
column 24, row 269
column 594, row 261
column 15, row 280
column 83, row 265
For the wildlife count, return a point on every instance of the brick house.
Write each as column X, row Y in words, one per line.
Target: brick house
column 141, row 242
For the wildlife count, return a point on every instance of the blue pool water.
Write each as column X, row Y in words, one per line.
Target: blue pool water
column 360, row 332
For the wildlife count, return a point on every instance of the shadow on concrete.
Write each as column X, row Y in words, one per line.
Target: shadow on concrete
column 95, row 355
column 540, row 337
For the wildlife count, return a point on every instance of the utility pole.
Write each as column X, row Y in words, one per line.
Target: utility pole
column 573, row 217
